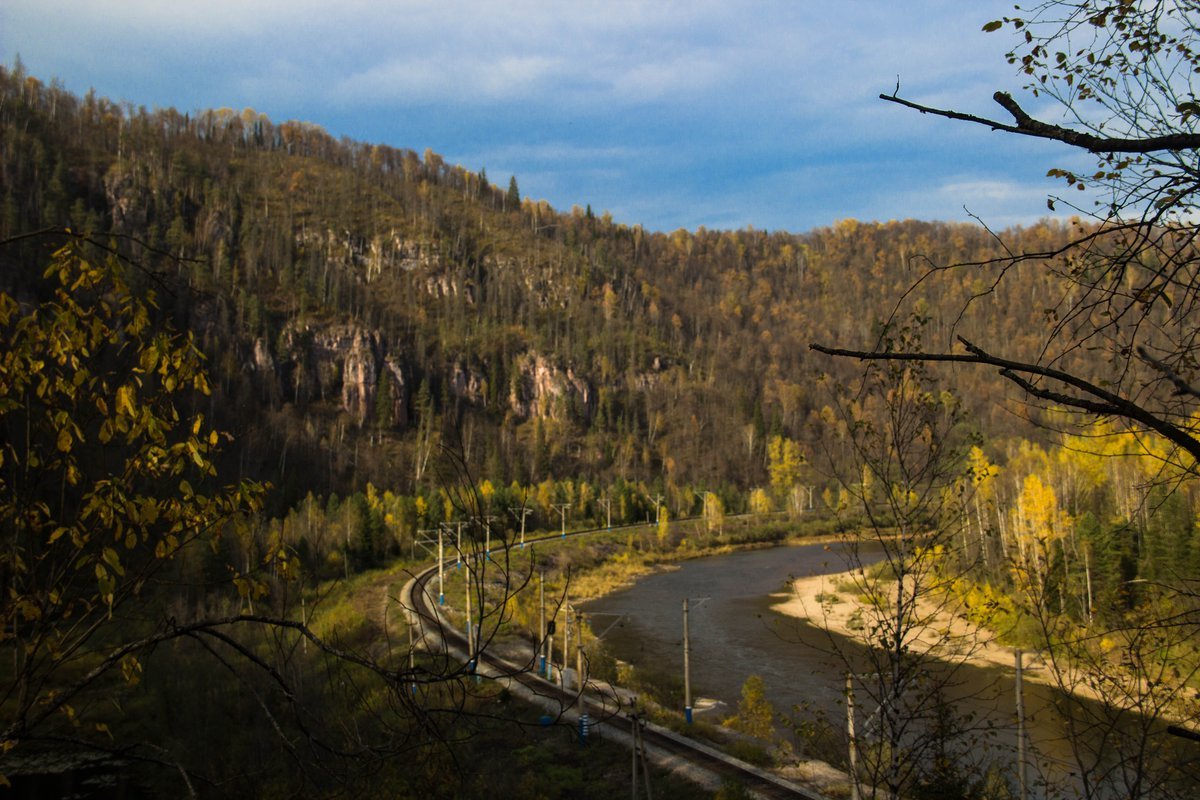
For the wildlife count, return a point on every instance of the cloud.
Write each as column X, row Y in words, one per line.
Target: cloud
column 684, row 112
column 422, row 80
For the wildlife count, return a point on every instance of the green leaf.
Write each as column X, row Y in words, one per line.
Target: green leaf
column 993, row 26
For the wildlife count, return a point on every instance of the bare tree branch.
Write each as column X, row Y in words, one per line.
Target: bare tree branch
column 1181, row 385
column 1028, row 126
column 1099, row 401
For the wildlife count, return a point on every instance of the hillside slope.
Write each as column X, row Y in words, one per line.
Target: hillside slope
column 360, row 303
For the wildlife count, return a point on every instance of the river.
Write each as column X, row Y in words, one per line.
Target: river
column 732, row 629
column 735, row 633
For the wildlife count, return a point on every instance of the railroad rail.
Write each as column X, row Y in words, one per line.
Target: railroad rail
column 605, row 705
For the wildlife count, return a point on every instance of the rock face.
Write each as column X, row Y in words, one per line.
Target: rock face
column 467, row 384
column 124, row 201
column 542, row 389
column 342, row 364
column 263, row 361
column 359, row 373
column 345, row 364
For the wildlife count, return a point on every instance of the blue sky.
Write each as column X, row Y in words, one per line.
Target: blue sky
column 669, row 114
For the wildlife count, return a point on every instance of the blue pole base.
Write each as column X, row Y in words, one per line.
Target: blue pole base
column 542, row 667
column 441, row 599
column 687, row 715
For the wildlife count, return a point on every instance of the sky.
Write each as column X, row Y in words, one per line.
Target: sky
column 666, row 114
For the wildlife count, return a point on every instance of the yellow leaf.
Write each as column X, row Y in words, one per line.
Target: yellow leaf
column 113, row 560
column 125, row 401
column 64, row 440
column 28, row 610
column 131, row 669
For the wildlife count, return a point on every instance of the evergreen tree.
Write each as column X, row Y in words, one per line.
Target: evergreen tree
column 512, row 200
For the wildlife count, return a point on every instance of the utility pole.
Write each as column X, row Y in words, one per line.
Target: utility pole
column 562, row 510
column 487, row 540
column 1022, row 789
column 441, row 576
column 607, row 503
column 566, row 606
column 470, row 639
column 633, row 747
column 458, row 547
column 639, row 752
column 524, row 511
column 541, row 643
column 579, row 682
column 412, row 649
column 853, row 743
column 687, row 669
column 549, row 659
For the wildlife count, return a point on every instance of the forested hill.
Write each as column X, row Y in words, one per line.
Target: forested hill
column 361, row 304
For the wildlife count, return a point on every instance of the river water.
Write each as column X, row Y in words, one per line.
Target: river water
column 735, row 633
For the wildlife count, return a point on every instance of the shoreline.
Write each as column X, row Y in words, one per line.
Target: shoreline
column 940, row 632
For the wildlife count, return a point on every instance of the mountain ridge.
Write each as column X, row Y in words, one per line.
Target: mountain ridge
column 322, row 275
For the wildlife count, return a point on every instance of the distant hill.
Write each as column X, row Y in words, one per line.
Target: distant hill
column 359, row 303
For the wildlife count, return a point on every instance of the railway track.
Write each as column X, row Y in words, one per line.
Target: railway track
column 604, row 705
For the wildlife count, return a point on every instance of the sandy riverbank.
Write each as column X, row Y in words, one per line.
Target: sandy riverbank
column 938, row 631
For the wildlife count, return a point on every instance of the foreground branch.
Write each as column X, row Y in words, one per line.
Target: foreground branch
column 1095, row 399
column 1028, row 126
column 34, row 716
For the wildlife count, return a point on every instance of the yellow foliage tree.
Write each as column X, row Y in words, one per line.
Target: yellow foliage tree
column 105, row 477
column 760, row 502
column 714, row 512
column 1037, row 524
column 785, row 461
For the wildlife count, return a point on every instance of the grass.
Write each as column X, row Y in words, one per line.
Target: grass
column 828, row 598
